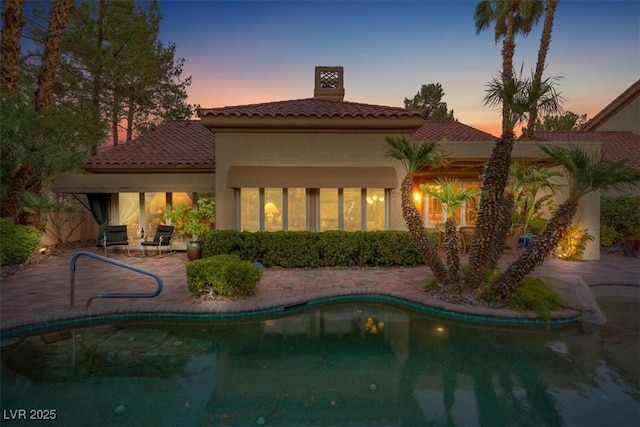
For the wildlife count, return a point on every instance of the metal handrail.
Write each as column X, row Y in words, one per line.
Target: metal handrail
column 72, row 268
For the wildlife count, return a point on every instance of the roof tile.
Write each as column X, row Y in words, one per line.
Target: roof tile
column 450, row 131
column 616, row 145
column 312, row 107
column 176, row 143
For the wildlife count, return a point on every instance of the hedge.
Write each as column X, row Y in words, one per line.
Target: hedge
column 305, row 249
column 17, row 242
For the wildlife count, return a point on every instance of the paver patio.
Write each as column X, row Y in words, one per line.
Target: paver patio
column 40, row 293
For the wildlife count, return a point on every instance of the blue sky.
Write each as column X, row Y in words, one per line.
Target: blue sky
column 242, row 52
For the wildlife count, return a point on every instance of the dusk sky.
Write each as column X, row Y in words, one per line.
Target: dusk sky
column 244, row 52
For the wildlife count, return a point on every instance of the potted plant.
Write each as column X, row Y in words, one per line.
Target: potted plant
column 193, row 222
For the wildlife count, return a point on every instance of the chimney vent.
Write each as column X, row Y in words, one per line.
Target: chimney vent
column 329, row 83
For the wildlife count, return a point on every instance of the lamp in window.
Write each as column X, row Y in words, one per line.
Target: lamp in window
column 271, row 212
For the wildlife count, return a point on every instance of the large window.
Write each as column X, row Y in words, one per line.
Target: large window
column 146, row 211
column 314, row 209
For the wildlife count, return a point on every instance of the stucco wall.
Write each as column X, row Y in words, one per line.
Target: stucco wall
column 624, row 120
column 298, row 149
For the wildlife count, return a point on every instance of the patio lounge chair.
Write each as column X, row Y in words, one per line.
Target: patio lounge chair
column 162, row 238
column 115, row 235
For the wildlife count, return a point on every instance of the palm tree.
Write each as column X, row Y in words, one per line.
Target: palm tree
column 27, row 174
column 452, row 195
column 526, row 181
column 13, row 22
column 585, row 172
column 510, row 17
column 414, row 156
column 545, row 42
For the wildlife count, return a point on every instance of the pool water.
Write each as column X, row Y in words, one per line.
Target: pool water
column 356, row 364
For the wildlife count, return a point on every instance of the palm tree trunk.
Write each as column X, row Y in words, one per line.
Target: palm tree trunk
column 51, row 54
column 490, row 211
column 413, row 220
column 537, row 251
column 545, row 42
column 502, row 229
column 12, row 24
column 452, row 245
column 508, row 51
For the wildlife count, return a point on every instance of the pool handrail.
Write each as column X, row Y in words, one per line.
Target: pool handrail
column 72, row 268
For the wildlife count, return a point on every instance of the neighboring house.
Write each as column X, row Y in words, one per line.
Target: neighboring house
column 308, row 164
column 616, row 127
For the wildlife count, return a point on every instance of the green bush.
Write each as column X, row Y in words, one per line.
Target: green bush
column 536, row 225
column 533, row 294
column 620, row 216
column 17, row 242
column 226, row 275
column 304, row 249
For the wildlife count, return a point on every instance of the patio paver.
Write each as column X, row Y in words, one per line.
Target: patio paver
column 40, row 293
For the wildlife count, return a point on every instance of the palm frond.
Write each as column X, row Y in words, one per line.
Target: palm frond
column 587, row 171
column 450, row 192
column 415, row 155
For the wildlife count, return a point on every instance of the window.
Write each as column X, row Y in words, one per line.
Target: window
column 146, row 210
column 376, row 209
column 296, row 209
column 315, row 209
column 352, row 209
column 465, row 215
column 328, row 213
column 249, row 209
column 273, row 209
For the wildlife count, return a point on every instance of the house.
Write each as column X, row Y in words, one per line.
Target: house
column 314, row 163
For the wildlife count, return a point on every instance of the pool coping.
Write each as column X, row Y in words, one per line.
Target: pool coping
column 474, row 314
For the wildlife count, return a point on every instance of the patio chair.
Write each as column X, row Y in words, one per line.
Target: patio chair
column 115, row 235
column 513, row 238
column 466, row 235
column 162, row 238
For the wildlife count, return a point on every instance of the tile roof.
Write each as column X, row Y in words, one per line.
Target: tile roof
column 177, row 144
column 451, row 131
column 616, row 145
column 312, row 107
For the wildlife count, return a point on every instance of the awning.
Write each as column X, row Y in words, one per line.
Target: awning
column 312, row 177
column 135, row 183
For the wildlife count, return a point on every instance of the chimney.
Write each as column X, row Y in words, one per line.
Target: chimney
column 329, row 83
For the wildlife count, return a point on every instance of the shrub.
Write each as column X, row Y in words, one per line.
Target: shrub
column 574, row 243
column 536, row 225
column 305, row 249
column 226, row 275
column 17, row 242
column 621, row 217
column 533, row 294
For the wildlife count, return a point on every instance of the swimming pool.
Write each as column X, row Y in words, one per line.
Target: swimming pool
column 356, row 363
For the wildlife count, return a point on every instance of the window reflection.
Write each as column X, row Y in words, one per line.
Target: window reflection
column 375, row 208
column 129, row 213
column 352, row 209
column 154, row 206
column 297, row 206
column 273, row 209
column 328, row 209
column 249, row 213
